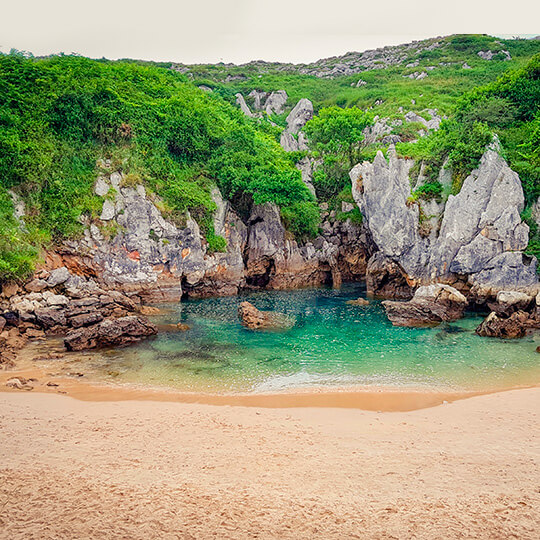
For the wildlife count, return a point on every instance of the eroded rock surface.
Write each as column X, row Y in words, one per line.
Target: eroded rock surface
column 481, row 235
column 254, row 319
column 110, row 333
column 431, row 304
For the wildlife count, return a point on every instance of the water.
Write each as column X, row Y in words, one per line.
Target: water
column 331, row 344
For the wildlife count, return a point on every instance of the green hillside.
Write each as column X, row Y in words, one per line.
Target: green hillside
column 59, row 116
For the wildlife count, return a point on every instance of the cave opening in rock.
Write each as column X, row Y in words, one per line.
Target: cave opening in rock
column 261, row 280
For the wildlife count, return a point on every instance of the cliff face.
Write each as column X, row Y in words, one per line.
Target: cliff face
column 480, row 239
column 134, row 248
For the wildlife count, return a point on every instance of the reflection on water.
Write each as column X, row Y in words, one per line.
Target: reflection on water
column 331, row 344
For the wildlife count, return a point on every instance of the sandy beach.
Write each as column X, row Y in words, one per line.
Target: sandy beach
column 145, row 469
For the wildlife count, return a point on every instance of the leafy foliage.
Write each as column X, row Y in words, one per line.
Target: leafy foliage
column 336, row 136
column 59, row 115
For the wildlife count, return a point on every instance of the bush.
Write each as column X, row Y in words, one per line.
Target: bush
column 302, row 219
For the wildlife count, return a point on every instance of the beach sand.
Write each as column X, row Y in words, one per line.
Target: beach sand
column 156, row 469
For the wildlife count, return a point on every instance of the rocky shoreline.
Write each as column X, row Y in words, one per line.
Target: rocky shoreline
column 430, row 260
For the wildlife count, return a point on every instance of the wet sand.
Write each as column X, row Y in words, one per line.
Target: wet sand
column 383, row 399
column 155, row 469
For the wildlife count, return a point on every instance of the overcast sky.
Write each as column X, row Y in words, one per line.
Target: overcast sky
column 242, row 30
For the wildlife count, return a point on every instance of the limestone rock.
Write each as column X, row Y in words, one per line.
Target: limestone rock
column 275, row 102
column 431, row 304
column 507, row 302
column 481, row 234
column 386, row 279
column 110, row 333
column 299, row 116
column 241, row 102
column 512, row 327
column 58, row 276
column 108, row 211
column 254, row 319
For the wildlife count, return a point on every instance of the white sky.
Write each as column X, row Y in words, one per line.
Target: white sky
column 242, row 30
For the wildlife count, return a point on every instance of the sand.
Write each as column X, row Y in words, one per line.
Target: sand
column 145, row 469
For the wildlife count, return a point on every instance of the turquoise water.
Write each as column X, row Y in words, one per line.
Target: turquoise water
column 331, row 344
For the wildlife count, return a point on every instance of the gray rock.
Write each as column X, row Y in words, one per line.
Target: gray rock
column 430, row 305
column 481, row 233
column 241, row 102
column 110, row 333
column 299, row 116
column 58, row 276
column 101, row 187
column 57, row 300
column 259, row 99
column 108, row 211
column 275, row 103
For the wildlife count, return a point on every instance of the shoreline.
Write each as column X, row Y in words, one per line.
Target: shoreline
column 367, row 398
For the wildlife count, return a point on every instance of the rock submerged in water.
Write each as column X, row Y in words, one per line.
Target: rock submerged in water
column 110, row 333
column 512, row 327
column 252, row 318
column 430, row 305
column 358, row 302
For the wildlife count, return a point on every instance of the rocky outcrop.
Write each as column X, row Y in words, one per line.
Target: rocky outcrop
column 275, row 260
column 252, row 318
column 110, row 333
column 241, row 102
column 512, row 327
column 513, row 315
column 155, row 258
column 270, row 103
column 386, row 279
column 91, row 315
column 292, row 139
column 275, row 103
column 431, row 304
column 481, row 235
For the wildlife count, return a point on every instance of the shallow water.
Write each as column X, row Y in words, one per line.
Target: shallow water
column 331, row 344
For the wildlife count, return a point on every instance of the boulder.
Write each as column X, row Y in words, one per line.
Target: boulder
column 508, row 302
column 2, row 323
column 85, row 319
column 252, row 318
column 49, row 318
column 58, row 276
column 512, row 327
column 299, row 116
column 430, row 305
column 110, row 333
column 275, row 102
column 358, row 302
column 241, row 102
column 36, row 285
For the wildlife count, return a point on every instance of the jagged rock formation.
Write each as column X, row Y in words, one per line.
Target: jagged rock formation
column 481, row 235
column 241, row 102
column 57, row 302
column 275, row 260
column 515, row 326
column 292, row 139
column 431, row 304
column 273, row 103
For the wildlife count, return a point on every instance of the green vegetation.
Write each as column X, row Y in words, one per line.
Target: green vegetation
column 336, row 137
column 60, row 115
